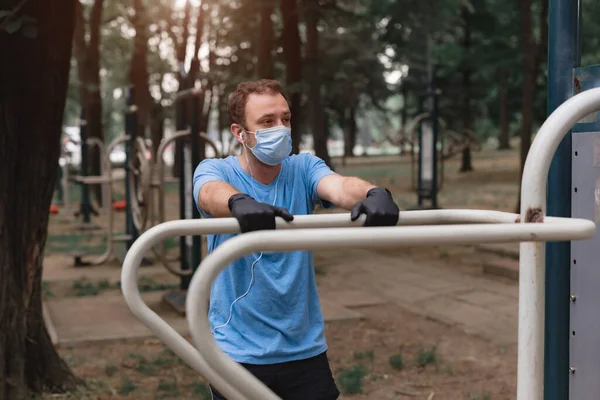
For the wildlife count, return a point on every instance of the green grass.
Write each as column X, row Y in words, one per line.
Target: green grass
column 351, row 380
column 364, row 355
column 46, row 290
column 482, row 396
column 127, row 386
column 426, row 357
column 396, row 361
column 110, row 369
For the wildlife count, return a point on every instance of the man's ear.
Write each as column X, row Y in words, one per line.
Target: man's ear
column 238, row 132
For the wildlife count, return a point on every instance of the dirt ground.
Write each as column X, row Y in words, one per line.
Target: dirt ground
column 390, row 354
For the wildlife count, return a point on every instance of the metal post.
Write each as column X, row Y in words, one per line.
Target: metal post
column 563, row 56
column 435, row 127
column 85, row 190
column 422, row 99
column 195, row 251
column 180, row 125
column 131, row 131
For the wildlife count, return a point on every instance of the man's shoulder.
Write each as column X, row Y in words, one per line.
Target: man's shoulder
column 304, row 158
column 219, row 163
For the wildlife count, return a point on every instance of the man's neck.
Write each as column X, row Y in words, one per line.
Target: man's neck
column 262, row 173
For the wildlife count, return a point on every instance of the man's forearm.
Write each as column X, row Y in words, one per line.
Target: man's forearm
column 214, row 197
column 353, row 190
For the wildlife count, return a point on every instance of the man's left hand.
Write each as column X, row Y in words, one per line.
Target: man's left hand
column 379, row 208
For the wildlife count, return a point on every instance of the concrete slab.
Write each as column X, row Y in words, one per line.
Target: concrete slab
column 510, row 250
column 104, row 319
column 59, row 267
column 484, row 298
column 78, row 320
column 504, row 267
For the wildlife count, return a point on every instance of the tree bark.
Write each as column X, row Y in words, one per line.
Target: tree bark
column 34, row 80
column 467, row 73
column 138, row 70
column 266, row 42
column 181, row 43
column 349, row 131
column 504, row 136
column 87, row 54
column 315, row 109
column 532, row 55
column 292, row 52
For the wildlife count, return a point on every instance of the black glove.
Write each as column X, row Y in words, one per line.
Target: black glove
column 254, row 216
column 379, row 208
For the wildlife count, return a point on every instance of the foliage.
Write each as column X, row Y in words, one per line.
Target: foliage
column 369, row 51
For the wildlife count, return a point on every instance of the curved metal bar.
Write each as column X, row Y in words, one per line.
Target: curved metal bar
column 532, row 291
column 340, row 238
column 160, row 232
column 159, row 184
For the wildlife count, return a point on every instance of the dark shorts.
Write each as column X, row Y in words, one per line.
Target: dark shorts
column 309, row 379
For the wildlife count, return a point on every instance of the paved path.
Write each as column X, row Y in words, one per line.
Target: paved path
column 463, row 297
column 479, row 304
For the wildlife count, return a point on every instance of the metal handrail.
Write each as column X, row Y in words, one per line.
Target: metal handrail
column 335, row 238
column 532, row 290
column 229, row 225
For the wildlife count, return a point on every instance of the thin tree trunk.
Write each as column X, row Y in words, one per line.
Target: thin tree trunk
column 532, row 55
column 292, row 52
column 315, row 110
column 157, row 127
column 266, row 42
column 349, row 118
column 87, row 53
column 138, row 72
column 184, row 82
column 503, row 137
column 466, row 164
column 34, row 82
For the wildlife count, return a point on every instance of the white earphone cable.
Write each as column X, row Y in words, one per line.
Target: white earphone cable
column 259, row 257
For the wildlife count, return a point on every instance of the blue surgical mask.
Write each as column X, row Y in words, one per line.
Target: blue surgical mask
column 273, row 145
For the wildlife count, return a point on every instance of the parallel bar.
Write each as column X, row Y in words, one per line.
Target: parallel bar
column 336, row 238
column 230, row 225
column 563, row 56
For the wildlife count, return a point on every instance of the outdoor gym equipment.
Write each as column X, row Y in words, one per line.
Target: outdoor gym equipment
column 158, row 184
column 531, row 228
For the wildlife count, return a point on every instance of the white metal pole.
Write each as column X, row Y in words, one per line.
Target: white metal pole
column 530, row 379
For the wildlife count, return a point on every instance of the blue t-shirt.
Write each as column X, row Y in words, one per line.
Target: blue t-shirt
column 277, row 316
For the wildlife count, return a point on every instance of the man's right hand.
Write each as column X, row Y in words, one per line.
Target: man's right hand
column 254, row 216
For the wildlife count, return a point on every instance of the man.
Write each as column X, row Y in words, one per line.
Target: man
column 264, row 309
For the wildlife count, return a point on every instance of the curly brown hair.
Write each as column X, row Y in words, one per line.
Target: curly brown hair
column 239, row 97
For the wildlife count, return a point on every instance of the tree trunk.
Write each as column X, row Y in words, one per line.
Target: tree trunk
column 292, row 52
column 503, row 137
column 404, row 111
column 138, row 70
column 315, row 110
column 34, row 82
column 532, row 55
column 87, row 53
column 157, row 127
column 181, row 48
column 467, row 73
column 266, row 42
column 349, row 131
